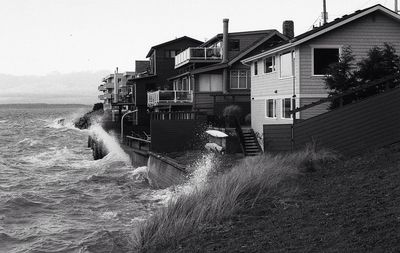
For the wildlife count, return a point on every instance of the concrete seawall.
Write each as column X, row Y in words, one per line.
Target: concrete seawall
column 162, row 171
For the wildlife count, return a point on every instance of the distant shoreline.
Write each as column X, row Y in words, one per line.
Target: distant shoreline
column 41, row 105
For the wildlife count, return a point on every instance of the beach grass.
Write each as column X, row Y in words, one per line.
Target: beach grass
column 224, row 195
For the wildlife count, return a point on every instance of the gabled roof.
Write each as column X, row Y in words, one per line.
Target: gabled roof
column 219, row 36
column 172, row 41
column 255, row 45
column 304, row 37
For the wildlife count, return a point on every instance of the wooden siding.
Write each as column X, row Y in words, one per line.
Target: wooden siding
column 362, row 35
column 245, row 42
column 277, row 138
column 258, row 119
column 370, row 123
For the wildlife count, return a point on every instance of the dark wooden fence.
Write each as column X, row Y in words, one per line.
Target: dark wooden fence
column 176, row 131
column 366, row 124
column 370, row 123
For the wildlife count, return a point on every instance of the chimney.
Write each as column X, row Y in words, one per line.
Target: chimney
column 288, row 28
column 225, row 41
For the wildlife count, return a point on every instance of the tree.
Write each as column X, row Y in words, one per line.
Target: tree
column 345, row 74
column 380, row 62
column 340, row 77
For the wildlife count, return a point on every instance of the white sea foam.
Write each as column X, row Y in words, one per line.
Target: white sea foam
column 110, row 143
column 198, row 178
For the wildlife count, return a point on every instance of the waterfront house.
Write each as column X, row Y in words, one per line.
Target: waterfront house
column 153, row 74
column 293, row 72
column 211, row 76
column 114, row 90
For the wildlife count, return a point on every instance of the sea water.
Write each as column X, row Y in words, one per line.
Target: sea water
column 55, row 198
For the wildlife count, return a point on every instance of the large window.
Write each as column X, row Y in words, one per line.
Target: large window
column 322, row 58
column 269, row 64
column 238, row 79
column 286, row 107
column 210, row 82
column 270, row 108
column 286, row 65
column 182, row 84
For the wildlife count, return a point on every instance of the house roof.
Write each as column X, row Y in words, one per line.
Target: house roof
column 172, row 41
column 219, row 36
column 304, row 37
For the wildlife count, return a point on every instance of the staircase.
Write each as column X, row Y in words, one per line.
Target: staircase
column 250, row 143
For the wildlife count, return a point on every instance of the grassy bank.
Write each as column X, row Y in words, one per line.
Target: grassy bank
column 241, row 188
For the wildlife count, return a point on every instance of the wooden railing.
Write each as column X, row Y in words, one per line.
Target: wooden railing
column 137, row 143
column 169, row 97
column 197, row 53
column 384, row 82
column 182, row 115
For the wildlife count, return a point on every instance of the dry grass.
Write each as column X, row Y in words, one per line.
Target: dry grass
column 222, row 196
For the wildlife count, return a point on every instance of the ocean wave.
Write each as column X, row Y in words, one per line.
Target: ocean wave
column 28, row 141
column 20, row 202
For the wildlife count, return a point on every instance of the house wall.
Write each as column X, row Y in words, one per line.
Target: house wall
column 362, row 34
column 245, row 41
column 270, row 86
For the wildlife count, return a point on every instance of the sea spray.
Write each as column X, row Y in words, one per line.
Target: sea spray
column 111, row 144
column 199, row 173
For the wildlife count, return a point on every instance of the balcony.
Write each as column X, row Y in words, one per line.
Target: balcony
column 109, row 86
column 169, row 97
column 101, row 87
column 198, row 54
column 105, row 96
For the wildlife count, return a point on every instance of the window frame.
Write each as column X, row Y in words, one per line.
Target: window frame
column 233, row 41
column 273, row 69
column 238, row 79
column 313, row 47
column 292, row 64
column 283, row 107
column 273, row 108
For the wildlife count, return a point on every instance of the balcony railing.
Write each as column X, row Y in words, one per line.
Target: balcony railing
column 101, row 88
column 198, row 54
column 105, row 96
column 167, row 97
column 109, row 85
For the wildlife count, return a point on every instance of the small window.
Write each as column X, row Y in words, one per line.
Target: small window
column 170, row 53
column 255, row 68
column 269, row 64
column 238, row 79
column 286, row 65
column 323, row 57
column 270, row 108
column 234, row 45
column 286, row 107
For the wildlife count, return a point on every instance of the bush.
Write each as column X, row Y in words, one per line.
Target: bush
column 346, row 74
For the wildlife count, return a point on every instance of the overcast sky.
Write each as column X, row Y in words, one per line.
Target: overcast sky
column 48, row 37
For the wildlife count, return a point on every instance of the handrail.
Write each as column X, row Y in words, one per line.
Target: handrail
column 350, row 91
column 122, row 123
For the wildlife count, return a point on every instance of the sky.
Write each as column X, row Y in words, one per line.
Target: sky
column 52, row 41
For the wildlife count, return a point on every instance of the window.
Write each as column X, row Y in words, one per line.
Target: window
column 270, row 108
column 255, row 68
column 322, row 58
column 286, row 65
column 238, row 79
column 286, row 107
column 209, row 82
column 234, row 45
column 181, row 84
column 170, row 53
column 269, row 64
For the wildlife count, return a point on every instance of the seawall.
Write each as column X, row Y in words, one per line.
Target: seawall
column 162, row 170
